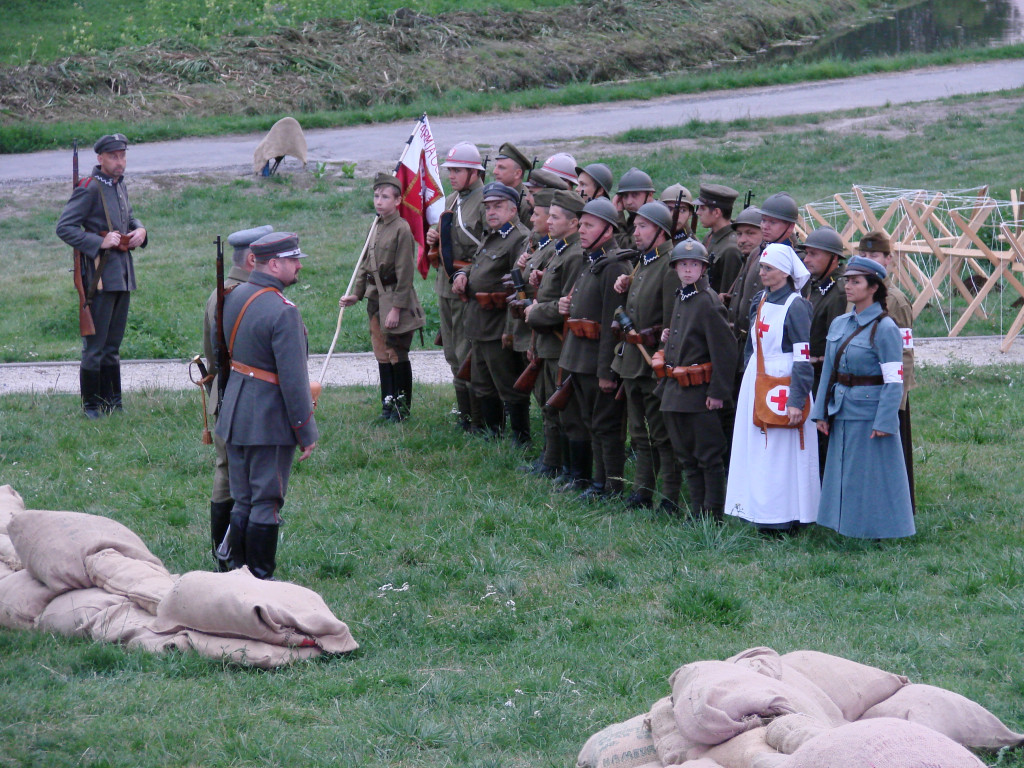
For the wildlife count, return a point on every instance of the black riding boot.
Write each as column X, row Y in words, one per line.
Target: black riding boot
column 387, row 390
column 492, row 413
column 92, row 403
column 261, row 549
column 465, row 407
column 236, row 540
column 580, row 460
column 220, row 519
column 403, row 389
column 519, row 421
column 110, row 387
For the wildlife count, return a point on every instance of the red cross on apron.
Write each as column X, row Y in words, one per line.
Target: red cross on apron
column 762, row 328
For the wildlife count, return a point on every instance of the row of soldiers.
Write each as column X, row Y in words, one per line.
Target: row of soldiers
column 561, row 283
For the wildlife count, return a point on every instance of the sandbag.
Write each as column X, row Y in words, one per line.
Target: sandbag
column 237, row 604
column 853, row 687
column 22, row 600
column 881, row 743
column 129, row 625
column 285, row 138
column 252, row 653
column 790, row 732
column 145, row 584
column 716, row 700
column 5, row 569
column 622, row 745
column 53, row 545
column 8, row 555
column 70, row 614
column 964, row 721
column 11, row 504
column 762, row 660
column 668, row 741
column 737, row 752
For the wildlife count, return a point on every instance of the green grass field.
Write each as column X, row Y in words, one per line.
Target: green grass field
column 529, row 621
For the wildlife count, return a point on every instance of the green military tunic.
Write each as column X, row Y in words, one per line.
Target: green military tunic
column 560, row 272
column 543, row 247
column 726, row 258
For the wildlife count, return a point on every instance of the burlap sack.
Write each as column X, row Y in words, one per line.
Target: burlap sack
column 882, row 743
column 737, row 752
column 285, row 138
column 790, row 732
column 11, row 504
column 70, row 614
column 964, row 721
column 53, row 545
column 622, row 745
column 762, row 660
column 5, row 570
column 145, row 584
column 716, row 700
column 815, row 693
column 853, row 687
column 703, row 762
column 668, row 741
column 237, row 604
column 250, row 653
column 22, row 599
column 127, row 624
column 8, row 555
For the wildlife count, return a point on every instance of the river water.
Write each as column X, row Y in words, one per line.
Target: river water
column 923, row 27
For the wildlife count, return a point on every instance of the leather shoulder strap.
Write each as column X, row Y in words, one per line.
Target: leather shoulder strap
column 238, row 320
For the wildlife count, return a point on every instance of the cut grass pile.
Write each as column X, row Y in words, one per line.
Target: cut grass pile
column 176, row 273
column 500, row 624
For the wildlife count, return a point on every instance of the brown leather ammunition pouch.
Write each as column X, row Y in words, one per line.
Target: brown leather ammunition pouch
column 585, row 329
column 692, row 375
column 658, row 364
column 495, row 300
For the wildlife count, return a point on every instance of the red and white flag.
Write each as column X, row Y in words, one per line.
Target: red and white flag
column 422, row 194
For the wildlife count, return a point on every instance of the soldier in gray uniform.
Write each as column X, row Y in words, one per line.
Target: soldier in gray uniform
column 510, row 168
column 495, row 366
column 267, row 409
column 588, row 351
column 221, row 502
column 714, row 210
column 465, row 173
column 98, row 221
column 698, row 337
column 650, row 294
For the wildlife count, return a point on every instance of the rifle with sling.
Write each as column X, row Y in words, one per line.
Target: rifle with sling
column 223, row 357
column 86, row 326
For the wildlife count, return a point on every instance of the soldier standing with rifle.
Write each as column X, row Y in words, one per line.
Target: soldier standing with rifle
column 215, row 352
column 714, row 209
column 461, row 235
column 268, row 408
column 98, row 222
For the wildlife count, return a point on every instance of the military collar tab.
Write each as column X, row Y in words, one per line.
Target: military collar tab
column 651, row 255
column 826, row 285
column 104, row 179
column 506, row 229
column 544, row 241
column 679, row 236
column 561, row 245
column 595, row 256
column 687, row 291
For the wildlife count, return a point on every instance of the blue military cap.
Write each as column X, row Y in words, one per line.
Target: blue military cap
column 861, row 265
column 498, row 191
column 112, row 142
column 243, row 238
column 277, row 245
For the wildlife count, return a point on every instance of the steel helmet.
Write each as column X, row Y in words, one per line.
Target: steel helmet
column 750, row 216
column 604, row 209
column 658, row 214
column 562, row 165
column 671, row 194
column 781, row 206
column 825, row 239
column 463, row 155
column 635, row 180
column 601, row 174
column 689, row 249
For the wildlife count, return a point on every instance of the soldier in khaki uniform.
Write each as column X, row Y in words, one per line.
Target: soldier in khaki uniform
column 876, row 246
column 538, row 251
column 635, row 189
column 748, row 282
column 389, row 266
column 554, row 280
column 495, row 365
column 510, row 168
column 588, row 351
column 680, row 204
column 699, row 335
column 594, row 181
column 563, row 165
column 714, row 210
column 541, row 179
column 242, row 262
column 650, row 293
column 465, row 173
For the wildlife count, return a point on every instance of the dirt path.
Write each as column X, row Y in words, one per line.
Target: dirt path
column 429, row 367
column 374, row 146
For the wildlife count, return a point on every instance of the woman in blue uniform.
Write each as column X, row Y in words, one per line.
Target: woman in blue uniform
column 865, row 493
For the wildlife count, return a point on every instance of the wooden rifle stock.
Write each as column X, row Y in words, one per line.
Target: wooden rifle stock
column 463, row 373
column 560, row 397
column 528, row 377
column 86, row 326
column 223, row 357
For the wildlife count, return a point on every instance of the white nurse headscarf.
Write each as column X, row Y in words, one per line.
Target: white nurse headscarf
column 783, row 257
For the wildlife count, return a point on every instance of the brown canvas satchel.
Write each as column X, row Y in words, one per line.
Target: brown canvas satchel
column 764, row 416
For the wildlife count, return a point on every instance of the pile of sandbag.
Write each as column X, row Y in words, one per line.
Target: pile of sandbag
column 84, row 575
column 799, row 710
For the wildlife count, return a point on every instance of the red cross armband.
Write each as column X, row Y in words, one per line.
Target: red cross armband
column 892, row 373
column 907, row 334
column 802, row 352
